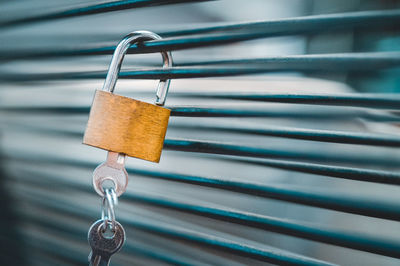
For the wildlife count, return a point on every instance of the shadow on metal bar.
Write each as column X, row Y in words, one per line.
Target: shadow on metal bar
column 47, row 258
column 54, row 247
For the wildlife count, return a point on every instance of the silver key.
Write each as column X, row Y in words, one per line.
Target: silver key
column 112, row 169
column 104, row 247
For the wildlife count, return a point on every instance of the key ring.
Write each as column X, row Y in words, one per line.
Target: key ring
column 110, row 200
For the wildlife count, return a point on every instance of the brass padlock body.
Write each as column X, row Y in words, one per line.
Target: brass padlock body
column 124, row 125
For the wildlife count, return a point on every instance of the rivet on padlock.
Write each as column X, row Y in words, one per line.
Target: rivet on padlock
column 123, row 125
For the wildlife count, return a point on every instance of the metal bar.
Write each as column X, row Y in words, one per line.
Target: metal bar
column 344, row 61
column 369, row 100
column 253, row 30
column 337, row 114
column 336, row 237
column 315, row 156
column 90, row 10
column 266, row 253
column 333, row 136
column 364, row 242
column 277, row 27
column 366, row 206
column 351, row 173
column 324, row 199
column 201, row 72
column 319, row 156
column 377, row 101
column 187, row 111
column 212, row 147
column 303, row 63
column 170, row 44
column 305, row 24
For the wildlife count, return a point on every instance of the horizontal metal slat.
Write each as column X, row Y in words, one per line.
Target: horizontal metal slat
column 373, row 139
column 212, row 147
column 188, row 111
column 92, row 9
column 261, row 30
column 278, row 64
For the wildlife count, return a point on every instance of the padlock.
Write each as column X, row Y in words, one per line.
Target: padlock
column 124, row 125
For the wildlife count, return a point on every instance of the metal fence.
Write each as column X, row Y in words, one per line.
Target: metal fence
column 282, row 147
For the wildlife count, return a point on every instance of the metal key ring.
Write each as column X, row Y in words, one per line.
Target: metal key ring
column 110, row 199
column 113, row 169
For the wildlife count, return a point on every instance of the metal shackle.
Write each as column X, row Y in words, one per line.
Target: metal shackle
column 119, row 54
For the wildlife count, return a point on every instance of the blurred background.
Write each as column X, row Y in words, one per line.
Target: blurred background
column 282, row 147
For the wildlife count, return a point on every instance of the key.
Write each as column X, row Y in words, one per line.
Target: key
column 112, row 169
column 103, row 247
